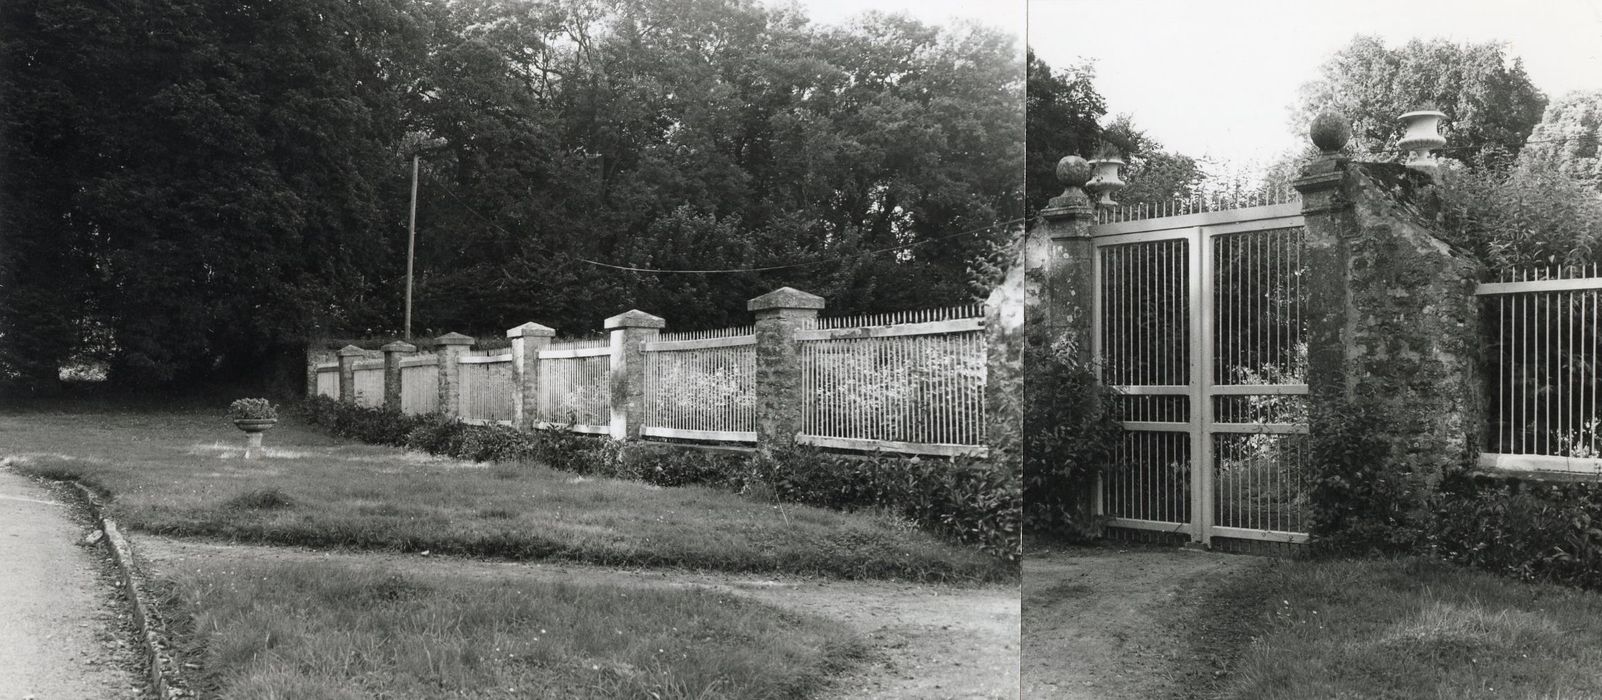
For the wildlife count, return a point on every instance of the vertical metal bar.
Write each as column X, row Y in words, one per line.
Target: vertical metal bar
column 1201, row 330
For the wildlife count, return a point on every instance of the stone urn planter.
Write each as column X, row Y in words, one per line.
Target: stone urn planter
column 255, row 417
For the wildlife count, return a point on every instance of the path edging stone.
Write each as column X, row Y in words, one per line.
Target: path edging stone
column 160, row 677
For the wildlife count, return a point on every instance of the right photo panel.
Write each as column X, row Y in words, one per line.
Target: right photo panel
column 1313, row 296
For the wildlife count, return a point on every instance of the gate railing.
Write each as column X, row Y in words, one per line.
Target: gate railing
column 1542, row 379
column 1199, row 326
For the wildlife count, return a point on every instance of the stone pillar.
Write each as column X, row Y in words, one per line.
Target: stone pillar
column 313, row 359
column 631, row 330
column 348, row 356
column 527, row 342
column 1060, row 265
column 1393, row 334
column 392, row 372
column 779, row 314
column 452, row 346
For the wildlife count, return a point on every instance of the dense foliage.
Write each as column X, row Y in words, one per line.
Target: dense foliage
column 1567, row 139
column 968, row 501
column 1491, row 104
column 1071, row 432
column 187, row 187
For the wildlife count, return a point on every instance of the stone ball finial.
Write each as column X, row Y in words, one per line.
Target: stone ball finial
column 1330, row 132
column 1073, row 171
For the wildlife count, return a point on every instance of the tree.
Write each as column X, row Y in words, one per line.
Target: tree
column 1062, row 117
column 1567, row 139
column 1491, row 104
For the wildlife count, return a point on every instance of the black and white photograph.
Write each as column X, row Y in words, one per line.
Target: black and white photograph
column 800, row 349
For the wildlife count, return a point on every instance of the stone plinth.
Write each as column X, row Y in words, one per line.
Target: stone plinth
column 348, row 356
column 452, row 346
column 779, row 314
column 392, row 372
column 631, row 330
column 527, row 342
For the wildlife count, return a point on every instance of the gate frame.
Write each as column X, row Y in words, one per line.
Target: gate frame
column 1199, row 231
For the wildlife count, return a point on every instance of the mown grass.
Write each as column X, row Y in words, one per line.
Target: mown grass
column 337, row 630
column 180, row 472
column 1418, row 629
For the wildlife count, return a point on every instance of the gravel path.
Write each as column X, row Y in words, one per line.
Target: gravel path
column 61, row 637
column 1104, row 623
column 928, row 642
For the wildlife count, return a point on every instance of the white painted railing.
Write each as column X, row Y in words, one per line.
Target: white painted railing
column 575, row 385
column 702, row 386
column 487, row 387
column 908, row 387
column 1543, row 379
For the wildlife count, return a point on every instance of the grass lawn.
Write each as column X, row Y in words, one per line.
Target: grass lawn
column 1418, row 629
column 336, row 630
column 179, row 471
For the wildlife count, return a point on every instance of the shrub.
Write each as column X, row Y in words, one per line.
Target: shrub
column 1529, row 530
column 252, row 409
column 1359, row 499
column 968, row 501
column 1071, row 432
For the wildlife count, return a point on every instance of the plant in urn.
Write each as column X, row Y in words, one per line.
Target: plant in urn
column 254, row 416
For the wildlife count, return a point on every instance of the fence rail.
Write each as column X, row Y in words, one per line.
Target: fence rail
column 916, row 387
column 910, row 381
column 702, row 386
column 1543, row 380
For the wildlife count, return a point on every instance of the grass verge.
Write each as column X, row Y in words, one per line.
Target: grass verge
column 1412, row 628
column 336, row 630
column 179, row 472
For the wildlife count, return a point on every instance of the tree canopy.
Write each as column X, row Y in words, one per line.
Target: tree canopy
column 1567, row 139
column 189, row 186
column 1491, row 104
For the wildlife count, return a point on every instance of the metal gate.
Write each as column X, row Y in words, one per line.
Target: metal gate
column 1200, row 327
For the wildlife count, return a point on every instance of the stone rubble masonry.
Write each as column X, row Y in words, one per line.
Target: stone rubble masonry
column 452, row 346
column 313, row 359
column 348, row 356
column 1394, row 321
column 1059, row 273
column 392, row 372
column 527, row 342
column 779, row 314
column 631, row 330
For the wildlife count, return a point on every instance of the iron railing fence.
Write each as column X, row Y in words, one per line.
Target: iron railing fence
column 1542, row 377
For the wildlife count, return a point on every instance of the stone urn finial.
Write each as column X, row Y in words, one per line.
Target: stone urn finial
column 1330, row 132
column 1073, row 172
column 1422, row 134
column 1106, row 180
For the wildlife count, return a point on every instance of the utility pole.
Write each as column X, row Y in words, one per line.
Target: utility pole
column 411, row 247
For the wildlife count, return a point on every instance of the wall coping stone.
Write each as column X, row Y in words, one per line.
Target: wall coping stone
column 351, row 351
column 531, row 330
column 399, row 346
column 634, row 318
column 454, row 339
column 785, row 298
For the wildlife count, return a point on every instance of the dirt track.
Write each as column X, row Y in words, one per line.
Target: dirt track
column 929, row 642
column 1105, row 623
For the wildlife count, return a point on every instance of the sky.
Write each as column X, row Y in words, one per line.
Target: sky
column 1217, row 78
column 1006, row 15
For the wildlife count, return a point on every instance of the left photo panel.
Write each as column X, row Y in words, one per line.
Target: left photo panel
column 512, row 348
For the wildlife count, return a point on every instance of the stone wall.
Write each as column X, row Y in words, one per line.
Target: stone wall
column 1394, row 330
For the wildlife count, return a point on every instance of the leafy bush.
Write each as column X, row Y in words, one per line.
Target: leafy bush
column 966, row 500
column 1359, row 499
column 970, row 501
column 1529, row 530
column 252, row 409
column 1071, row 431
